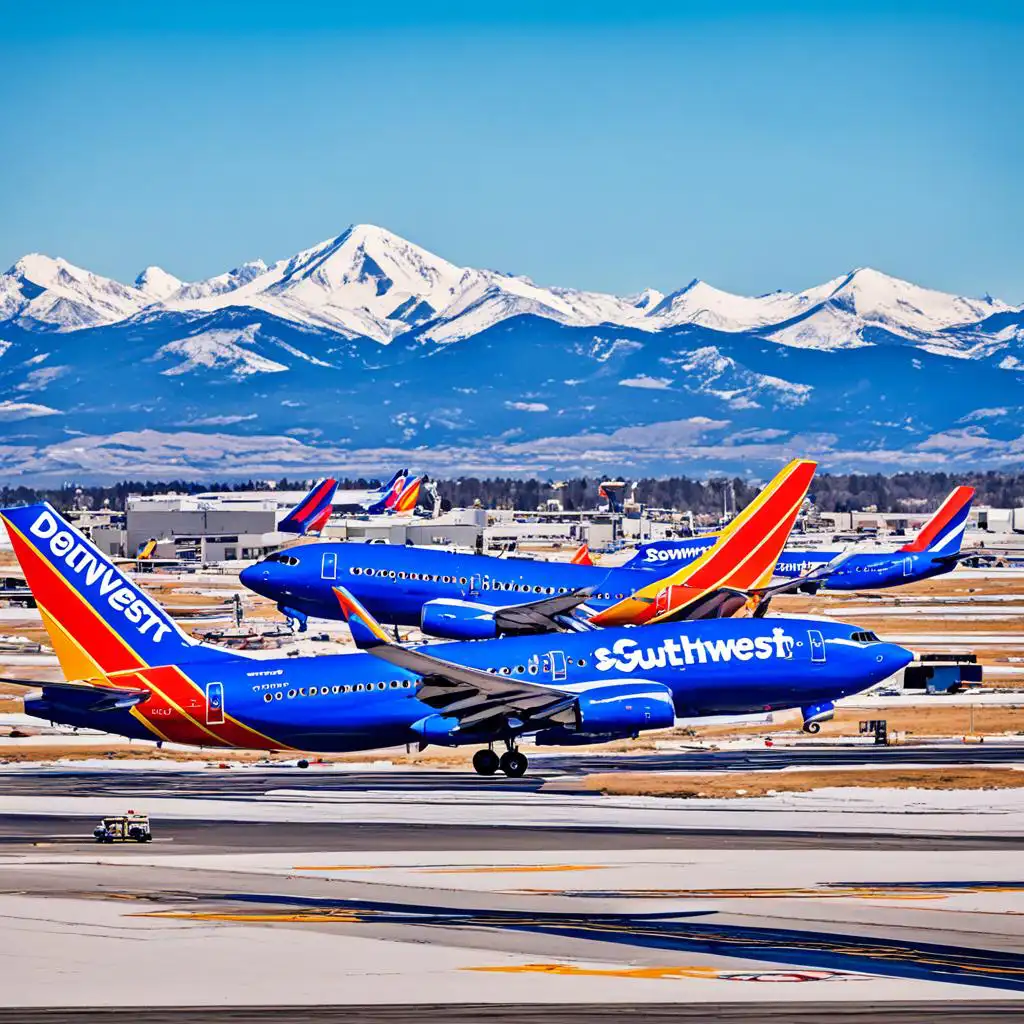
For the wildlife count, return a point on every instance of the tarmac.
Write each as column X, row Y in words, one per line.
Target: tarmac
column 380, row 896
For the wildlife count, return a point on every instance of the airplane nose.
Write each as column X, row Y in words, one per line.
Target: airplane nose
column 891, row 657
column 253, row 575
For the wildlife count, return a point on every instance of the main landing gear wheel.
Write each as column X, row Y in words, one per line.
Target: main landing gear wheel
column 485, row 762
column 513, row 764
column 812, row 727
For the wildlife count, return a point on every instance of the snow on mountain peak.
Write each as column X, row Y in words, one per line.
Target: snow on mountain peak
column 55, row 294
column 157, row 283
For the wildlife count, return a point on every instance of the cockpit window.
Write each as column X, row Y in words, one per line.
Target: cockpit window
column 865, row 637
column 277, row 556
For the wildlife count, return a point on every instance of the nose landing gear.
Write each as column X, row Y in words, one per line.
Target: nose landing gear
column 512, row 762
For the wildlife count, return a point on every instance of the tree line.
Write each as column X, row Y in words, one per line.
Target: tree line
column 830, row 492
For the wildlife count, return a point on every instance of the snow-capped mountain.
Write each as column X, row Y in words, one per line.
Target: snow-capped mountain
column 367, row 341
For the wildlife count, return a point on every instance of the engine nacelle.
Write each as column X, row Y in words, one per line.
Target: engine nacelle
column 458, row 620
column 616, row 710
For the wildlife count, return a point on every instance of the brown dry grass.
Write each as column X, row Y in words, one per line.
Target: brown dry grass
column 748, row 784
column 930, row 717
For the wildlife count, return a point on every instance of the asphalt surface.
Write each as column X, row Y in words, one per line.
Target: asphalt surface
column 563, row 1013
column 544, row 770
column 181, row 836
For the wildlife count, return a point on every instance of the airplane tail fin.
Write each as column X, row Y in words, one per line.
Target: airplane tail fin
column 944, row 532
column 582, row 556
column 389, row 494
column 743, row 558
column 98, row 621
column 366, row 631
column 146, row 548
column 311, row 514
column 406, row 501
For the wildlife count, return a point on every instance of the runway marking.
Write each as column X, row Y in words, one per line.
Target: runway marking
column 693, row 931
column 669, row 973
column 468, row 869
column 827, row 890
column 512, row 868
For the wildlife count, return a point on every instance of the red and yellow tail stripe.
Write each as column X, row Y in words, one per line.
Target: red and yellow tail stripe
column 743, row 558
column 89, row 650
column 582, row 556
column 407, row 499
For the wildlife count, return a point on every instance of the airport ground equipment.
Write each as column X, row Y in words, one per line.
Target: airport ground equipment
column 124, row 828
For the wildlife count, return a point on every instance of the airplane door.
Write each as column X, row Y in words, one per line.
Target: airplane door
column 329, row 566
column 474, row 585
column 214, row 703
column 554, row 663
column 908, row 567
column 817, row 642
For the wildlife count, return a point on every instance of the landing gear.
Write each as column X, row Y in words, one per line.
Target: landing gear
column 486, row 762
column 812, row 727
column 513, row 764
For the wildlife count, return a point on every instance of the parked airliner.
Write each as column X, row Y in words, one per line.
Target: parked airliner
column 130, row 670
column 935, row 550
column 470, row 597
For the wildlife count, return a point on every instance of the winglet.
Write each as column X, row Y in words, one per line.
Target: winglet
column 366, row 630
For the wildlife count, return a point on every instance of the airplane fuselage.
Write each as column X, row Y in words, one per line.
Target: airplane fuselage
column 350, row 702
column 394, row 583
column 864, row 570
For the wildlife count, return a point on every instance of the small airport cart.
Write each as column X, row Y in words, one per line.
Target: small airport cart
column 124, row 828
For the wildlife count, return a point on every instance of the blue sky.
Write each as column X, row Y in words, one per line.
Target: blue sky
column 606, row 146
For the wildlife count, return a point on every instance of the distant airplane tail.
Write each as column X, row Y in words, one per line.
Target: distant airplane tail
column 146, row 548
column 98, row 621
column 582, row 556
column 311, row 514
column 944, row 532
column 614, row 503
column 743, row 559
column 389, row 493
column 406, row 501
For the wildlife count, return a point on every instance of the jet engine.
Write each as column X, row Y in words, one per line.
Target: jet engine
column 458, row 620
column 615, row 710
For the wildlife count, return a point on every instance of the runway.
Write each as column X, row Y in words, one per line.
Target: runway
column 546, row 770
column 527, row 1013
column 380, row 896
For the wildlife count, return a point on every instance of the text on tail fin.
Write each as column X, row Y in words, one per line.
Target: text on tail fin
column 98, row 621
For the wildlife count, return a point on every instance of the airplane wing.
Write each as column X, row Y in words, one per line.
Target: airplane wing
column 540, row 616
column 108, row 698
column 471, row 695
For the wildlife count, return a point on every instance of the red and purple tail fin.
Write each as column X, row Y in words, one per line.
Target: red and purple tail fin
column 99, row 622
column 311, row 514
column 944, row 532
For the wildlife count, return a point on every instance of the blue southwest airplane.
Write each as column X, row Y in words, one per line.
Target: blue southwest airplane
column 474, row 597
column 130, row 670
column 934, row 551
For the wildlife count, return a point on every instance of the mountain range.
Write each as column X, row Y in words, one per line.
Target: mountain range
column 367, row 350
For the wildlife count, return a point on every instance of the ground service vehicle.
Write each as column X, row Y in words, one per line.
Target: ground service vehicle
column 124, row 828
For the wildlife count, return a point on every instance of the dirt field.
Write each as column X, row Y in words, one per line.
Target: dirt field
column 766, row 783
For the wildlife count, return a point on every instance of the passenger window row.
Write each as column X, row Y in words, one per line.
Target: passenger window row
column 323, row 691
column 427, row 577
column 507, row 670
